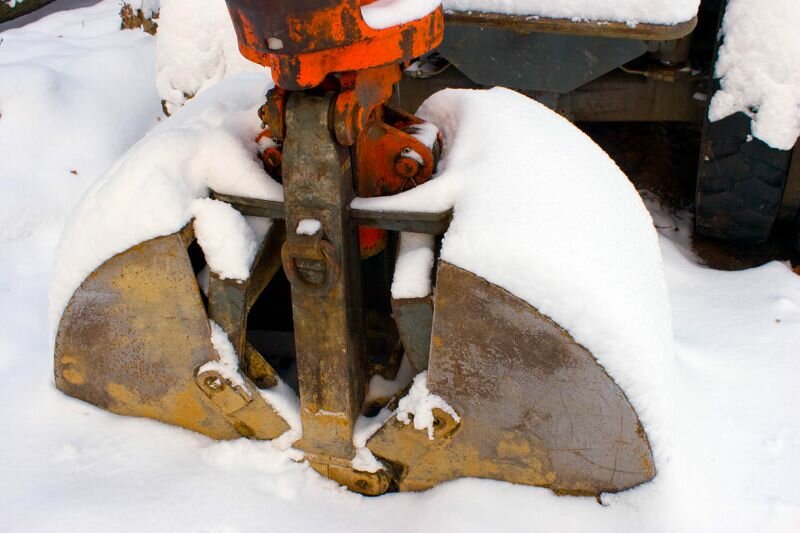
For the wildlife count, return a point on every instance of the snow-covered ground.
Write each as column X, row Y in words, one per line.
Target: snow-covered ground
column 75, row 94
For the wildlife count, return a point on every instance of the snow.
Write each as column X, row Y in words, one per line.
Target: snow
column 365, row 460
column 759, row 69
column 414, row 266
column 426, row 133
column 568, row 233
column 228, row 243
column 413, row 154
column 382, row 14
column 628, row 11
column 197, row 47
column 381, row 388
column 228, row 364
column 308, row 226
column 418, row 405
column 67, row 466
column 286, row 403
column 47, row 98
column 208, row 143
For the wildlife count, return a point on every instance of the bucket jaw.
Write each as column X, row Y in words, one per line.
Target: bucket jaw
column 135, row 339
column 535, row 407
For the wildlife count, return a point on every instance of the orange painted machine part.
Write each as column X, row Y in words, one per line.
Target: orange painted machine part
column 371, row 241
column 389, row 160
column 303, row 41
column 327, row 44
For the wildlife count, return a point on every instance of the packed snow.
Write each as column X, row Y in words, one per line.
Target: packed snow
column 382, row 14
column 67, row 466
column 628, row 11
column 759, row 69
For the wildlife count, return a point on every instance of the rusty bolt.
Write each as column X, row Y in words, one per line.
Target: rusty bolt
column 214, row 383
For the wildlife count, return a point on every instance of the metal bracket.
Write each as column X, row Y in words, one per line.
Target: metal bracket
column 241, row 405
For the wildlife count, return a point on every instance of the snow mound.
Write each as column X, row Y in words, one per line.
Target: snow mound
column 150, row 191
column 543, row 212
column 759, row 67
column 62, row 125
column 630, row 11
column 196, row 48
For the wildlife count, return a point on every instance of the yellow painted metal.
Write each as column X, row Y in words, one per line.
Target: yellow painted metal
column 133, row 338
column 535, row 406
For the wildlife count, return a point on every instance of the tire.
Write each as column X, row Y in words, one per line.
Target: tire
column 740, row 182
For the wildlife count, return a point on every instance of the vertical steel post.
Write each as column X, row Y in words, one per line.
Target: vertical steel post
column 323, row 269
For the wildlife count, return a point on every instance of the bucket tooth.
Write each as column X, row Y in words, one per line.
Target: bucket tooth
column 536, row 408
column 133, row 338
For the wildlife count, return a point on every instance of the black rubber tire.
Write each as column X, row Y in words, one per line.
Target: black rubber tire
column 740, row 179
column 740, row 182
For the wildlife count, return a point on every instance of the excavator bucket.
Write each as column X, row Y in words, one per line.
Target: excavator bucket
column 533, row 406
column 516, row 397
column 135, row 339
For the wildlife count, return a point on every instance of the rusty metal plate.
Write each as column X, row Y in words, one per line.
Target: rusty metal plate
column 536, row 408
column 323, row 270
column 134, row 335
column 414, row 319
column 430, row 223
